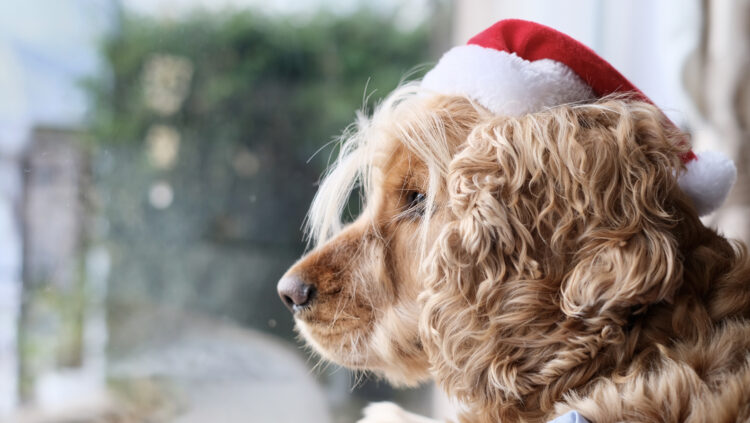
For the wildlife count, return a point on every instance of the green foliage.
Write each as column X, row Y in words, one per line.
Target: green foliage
column 266, row 92
column 287, row 84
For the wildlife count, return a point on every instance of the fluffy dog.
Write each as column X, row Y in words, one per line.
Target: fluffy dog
column 530, row 265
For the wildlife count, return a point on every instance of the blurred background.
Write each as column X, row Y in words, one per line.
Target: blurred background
column 157, row 158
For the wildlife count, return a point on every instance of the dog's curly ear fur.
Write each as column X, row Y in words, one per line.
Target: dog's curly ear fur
column 562, row 226
column 625, row 254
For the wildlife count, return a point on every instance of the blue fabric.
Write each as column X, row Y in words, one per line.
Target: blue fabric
column 570, row 417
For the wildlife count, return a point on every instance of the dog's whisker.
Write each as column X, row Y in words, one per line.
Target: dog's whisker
column 336, row 313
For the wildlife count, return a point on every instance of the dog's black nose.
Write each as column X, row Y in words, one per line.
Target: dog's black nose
column 295, row 293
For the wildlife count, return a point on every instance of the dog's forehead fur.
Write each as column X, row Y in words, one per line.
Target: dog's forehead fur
column 401, row 172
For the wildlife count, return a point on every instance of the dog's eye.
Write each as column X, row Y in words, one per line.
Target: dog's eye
column 415, row 202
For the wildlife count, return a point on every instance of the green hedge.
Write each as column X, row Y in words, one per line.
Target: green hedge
column 269, row 89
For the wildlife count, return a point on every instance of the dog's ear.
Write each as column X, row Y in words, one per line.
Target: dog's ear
column 625, row 254
column 586, row 195
column 567, row 212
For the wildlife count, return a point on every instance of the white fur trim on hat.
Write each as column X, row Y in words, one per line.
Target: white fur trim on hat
column 505, row 83
column 708, row 180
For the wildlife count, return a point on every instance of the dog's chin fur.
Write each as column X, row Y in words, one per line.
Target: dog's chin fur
column 529, row 265
column 378, row 354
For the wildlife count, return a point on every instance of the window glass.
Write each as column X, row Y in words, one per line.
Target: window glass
column 158, row 159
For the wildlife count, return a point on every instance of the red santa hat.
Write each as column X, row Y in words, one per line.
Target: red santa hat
column 516, row 67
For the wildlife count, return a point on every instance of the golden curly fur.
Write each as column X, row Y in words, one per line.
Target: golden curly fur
column 529, row 265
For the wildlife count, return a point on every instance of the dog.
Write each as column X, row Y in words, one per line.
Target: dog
column 530, row 265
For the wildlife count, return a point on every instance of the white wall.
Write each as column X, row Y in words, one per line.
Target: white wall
column 647, row 41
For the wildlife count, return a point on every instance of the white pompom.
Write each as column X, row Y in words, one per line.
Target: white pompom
column 708, row 180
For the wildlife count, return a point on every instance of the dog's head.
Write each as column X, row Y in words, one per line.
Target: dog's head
column 499, row 255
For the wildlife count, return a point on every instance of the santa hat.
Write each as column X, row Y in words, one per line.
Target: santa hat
column 516, row 67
